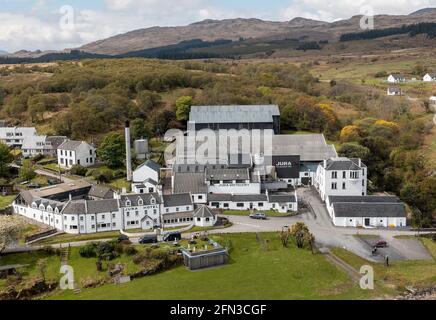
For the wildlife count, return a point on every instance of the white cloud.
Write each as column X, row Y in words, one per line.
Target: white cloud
column 343, row 9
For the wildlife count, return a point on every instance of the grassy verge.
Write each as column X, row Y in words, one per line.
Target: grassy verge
column 5, row 201
column 256, row 270
column 395, row 278
column 201, row 229
column 67, row 238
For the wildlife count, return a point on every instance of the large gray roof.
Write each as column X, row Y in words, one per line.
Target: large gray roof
column 237, row 198
column 282, row 198
column 102, row 206
column 101, row 192
column 177, row 200
column 234, row 114
column 369, row 210
column 151, row 164
column 310, row 147
column 75, row 207
column 190, row 183
column 227, row 174
column 366, row 199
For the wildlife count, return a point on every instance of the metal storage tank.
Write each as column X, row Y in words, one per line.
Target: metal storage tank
column 141, row 148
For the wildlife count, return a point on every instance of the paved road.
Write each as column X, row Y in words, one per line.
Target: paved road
column 53, row 175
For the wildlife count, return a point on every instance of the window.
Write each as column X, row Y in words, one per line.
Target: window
column 334, row 186
column 81, row 218
column 90, row 152
column 128, row 214
column 200, row 197
column 92, row 218
column 226, row 205
column 344, row 174
column 113, row 215
column 240, row 205
column 334, row 175
column 78, row 162
column 128, row 203
column 260, row 204
column 363, row 183
column 103, row 217
column 343, row 186
column 354, row 175
column 140, row 202
column 187, row 208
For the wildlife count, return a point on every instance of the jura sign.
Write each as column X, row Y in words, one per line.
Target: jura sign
column 287, row 167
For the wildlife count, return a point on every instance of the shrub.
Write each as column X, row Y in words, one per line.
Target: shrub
column 88, row 251
column 105, row 251
column 130, row 250
column 78, row 170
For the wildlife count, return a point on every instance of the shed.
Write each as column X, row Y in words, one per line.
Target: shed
column 205, row 259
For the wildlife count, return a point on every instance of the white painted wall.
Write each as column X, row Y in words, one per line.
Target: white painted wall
column 143, row 173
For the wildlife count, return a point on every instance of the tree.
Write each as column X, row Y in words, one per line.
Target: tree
column 139, row 129
column 5, row 158
column 183, row 107
column 112, row 150
column 78, row 170
column 354, row 150
column 350, row 134
column 27, row 171
column 10, row 229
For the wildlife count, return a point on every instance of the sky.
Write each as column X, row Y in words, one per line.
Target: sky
column 57, row 24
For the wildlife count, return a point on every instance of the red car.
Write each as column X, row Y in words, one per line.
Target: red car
column 381, row 244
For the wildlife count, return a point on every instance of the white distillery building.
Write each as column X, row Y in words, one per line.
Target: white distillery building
column 341, row 177
column 16, row 136
column 367, row 211
column 148, row 170
column 42, row 145
column 72, row 153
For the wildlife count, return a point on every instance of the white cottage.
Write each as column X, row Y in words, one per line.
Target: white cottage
column 148, row 170
column 72, row 153
column 204, row 217
column 396, row 78
column 429, row 77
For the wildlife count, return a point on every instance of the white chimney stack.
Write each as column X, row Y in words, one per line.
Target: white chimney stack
column 128, row 153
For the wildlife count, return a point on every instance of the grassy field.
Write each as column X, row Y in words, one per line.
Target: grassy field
column 66, row 238
column 400, row 273
column 6, row 201
column 31, row 259
column 256, row 271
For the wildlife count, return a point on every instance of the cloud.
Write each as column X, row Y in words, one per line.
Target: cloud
column 343, row 9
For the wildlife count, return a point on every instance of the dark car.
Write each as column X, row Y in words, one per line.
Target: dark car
column 174, row 236
column 258, row 216
column 148, row 239
column 34, row 186
column 122, row 238
column 381, row 244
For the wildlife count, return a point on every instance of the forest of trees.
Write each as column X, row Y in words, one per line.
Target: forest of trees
column 414, row 29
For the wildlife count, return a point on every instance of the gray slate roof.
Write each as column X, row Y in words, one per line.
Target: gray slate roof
column 365, row 199
column 282, row 198
column 190, row 183
column 237, row 198
column 56, row 141
column 227, row 174
column 151, row 164
column 177, row 200
column 75, row 207
column 101, row 192
column 343, row 164
column 369, row 210
column 203, row 212
column 102, row 206
column 70, row 145
column 234, row 114
column 134, row 199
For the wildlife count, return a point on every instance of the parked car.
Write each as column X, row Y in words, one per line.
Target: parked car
column 258, row 216
column 148, row 239
column 34, row 186
column 381, row 244
column 122, row 238
column 174, row 236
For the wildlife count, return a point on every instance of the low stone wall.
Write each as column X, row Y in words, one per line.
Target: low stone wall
column 40, row 235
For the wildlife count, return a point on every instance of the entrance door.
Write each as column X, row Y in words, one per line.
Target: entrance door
column 367, row 222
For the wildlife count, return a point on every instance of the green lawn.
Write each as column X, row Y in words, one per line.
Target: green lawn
column 256, row 271
column 269, row 213
column 53, row 265
column 66, row 238
column 399, row 275
column 5, row 201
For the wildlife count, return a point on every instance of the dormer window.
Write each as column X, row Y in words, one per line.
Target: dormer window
column 140, row 202
column 128, row 203
column 49, row 209
column 34, row 206
column 41, row 207
column 153, row 201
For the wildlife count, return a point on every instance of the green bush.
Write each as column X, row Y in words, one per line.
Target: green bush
column 105, row 251
column 130, row 250
column 88, row 251
column 78, row 170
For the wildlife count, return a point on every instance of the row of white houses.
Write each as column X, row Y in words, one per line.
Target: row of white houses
column 399, row 78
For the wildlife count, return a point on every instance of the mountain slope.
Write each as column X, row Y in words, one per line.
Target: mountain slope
column 234, row 29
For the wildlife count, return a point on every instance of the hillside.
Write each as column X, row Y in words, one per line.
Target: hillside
column 235, row 29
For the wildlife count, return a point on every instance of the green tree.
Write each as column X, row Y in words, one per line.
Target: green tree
column 27, row 171
column 139, row 129
column 112, row 150
column 183, row 107
column 5, row 158
column 354, row 150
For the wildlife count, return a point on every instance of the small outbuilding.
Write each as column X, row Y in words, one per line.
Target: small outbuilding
column 204, row 217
